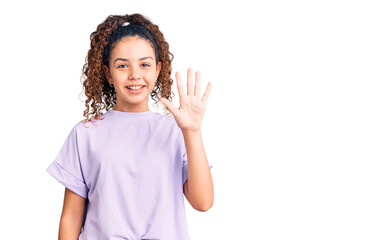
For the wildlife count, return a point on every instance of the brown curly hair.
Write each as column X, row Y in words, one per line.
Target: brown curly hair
column 97, row 89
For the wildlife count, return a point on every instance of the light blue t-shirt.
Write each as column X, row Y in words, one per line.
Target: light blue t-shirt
column 131, row 168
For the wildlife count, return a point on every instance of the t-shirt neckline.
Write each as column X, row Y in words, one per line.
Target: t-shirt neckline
column 116, row 113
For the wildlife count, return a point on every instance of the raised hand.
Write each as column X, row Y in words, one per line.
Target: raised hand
column 191, row 111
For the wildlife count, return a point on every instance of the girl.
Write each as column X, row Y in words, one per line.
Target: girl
column 125, row 171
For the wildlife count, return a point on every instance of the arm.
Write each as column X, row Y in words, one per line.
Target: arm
column 72, row 216
column 198, row 189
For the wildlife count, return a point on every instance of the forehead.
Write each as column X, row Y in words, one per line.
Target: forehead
column 133, row 47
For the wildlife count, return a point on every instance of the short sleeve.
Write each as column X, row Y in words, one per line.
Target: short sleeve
column 183, row 151
column 66, row 167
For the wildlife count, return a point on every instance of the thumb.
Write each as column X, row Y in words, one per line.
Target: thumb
column 169, row 105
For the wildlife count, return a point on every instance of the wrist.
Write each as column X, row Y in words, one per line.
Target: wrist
column 191, row 131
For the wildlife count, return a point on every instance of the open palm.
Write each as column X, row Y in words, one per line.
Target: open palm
column 191, row 111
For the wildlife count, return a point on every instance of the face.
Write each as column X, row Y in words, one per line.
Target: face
column 132, row 64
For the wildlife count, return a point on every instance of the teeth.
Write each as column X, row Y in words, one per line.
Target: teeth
column 135, row 88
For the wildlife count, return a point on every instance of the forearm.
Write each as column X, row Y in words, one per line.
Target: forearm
column 200, row 183
column 69, row 229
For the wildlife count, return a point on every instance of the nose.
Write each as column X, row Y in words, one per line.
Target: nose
column 134, row 73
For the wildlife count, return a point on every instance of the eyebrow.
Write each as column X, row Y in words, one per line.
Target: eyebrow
column 146, row 58
column 125, row 59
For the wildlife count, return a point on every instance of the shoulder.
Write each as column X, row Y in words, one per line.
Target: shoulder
column 82, row 127
column 174, row 126
column 170, row 126
column 167, row 120
column 86, row 125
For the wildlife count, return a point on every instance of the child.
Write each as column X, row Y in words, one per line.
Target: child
column 125, row 171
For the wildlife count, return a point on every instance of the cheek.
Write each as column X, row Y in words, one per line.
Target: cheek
column 116, row 75
column 151, row 76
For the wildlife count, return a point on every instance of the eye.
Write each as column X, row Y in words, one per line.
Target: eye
column 122, row 66
column 145, row 65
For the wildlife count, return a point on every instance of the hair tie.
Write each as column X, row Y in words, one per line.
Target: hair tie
column 125, row 24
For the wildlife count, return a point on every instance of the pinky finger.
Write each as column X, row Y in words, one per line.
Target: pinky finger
column 207, row 92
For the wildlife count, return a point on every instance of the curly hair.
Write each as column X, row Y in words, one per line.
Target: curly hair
column 97, row 89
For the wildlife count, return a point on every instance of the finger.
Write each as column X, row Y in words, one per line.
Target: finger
column 197, row 84
column 207, row 92
column 190, row 82
column 179, row 84
column 169, row 106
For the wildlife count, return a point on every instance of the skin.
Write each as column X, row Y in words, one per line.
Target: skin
column 132, row 61
column 136, row 66
column 72, row 216
column 198, row 189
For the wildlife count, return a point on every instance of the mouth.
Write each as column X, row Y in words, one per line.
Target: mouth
column 135, row 89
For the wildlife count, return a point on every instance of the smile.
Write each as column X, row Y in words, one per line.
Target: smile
column 135, row 90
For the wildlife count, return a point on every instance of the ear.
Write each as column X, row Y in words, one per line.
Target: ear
column 107, row 74
column 158, row 68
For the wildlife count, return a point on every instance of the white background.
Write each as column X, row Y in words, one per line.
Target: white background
column 297, row 125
